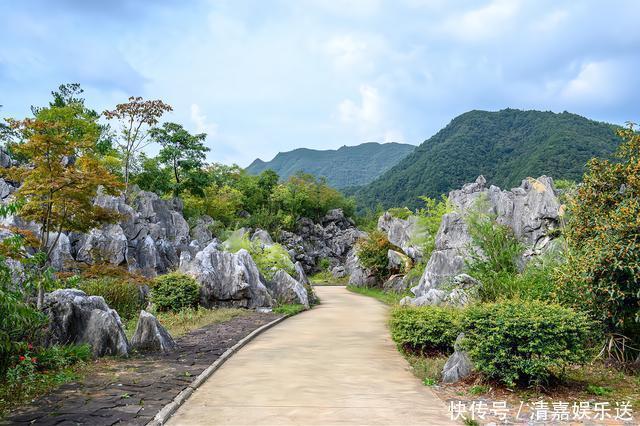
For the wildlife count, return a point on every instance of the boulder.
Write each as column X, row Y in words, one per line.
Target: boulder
column 400, row 232
column 6, row 189
column 262, row 237
column 531, row 210
column 75, row 318
column 107, row 244
column 60, row 256
column 395, row 284
column 285, row 289
column 398, row 262
column 459, row 366
column 151, row 336
column 359, row 276
column 332, row 238
column 226, row 279
column 302, row 278
column 338, row 271
column 201, row 232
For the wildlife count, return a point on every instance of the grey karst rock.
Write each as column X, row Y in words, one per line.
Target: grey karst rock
column 226, row 279
column 285, row 289
column 395, row 284
column 201, row 232
column 531, row 210
column 301, row 276
column 6, row 189
column 338, row 271
column 400, row 232
column 459, row 366
column 465, row 281
column 359, row 276
column 106, row 244
column 432, row 297
column 263, row 237
column 5, row 159
column 398, row 262
column 75, row 318
column 332, row 238
column 60, row 257
column 151, row 336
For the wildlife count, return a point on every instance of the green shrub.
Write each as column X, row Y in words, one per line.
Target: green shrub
column 372, row 253
column 428, row 220
column 123, row 296
column 289, row 309
column 525, row 343
column 268, row 259
column 425, row 329
column 400, row 212
column 57, row 357
column 324, row 264
column 174, row 291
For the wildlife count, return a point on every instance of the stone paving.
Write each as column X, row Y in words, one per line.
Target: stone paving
column 132, row 391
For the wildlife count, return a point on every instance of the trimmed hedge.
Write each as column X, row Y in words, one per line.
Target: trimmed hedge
column 525, row 343
column 425, row 328
column 174, row 291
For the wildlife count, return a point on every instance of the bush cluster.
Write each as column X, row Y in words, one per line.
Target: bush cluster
column 174, row 291
column 268, row 259
column 373, row 251
column 425, row 329
column 525, row 343
column 122, row 295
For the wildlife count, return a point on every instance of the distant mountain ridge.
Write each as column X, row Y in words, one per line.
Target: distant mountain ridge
column 345, row 167
column 505, row 146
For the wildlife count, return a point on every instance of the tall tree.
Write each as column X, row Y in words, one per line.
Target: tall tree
column 136, row 117
column 184, row 153
column 62, row 175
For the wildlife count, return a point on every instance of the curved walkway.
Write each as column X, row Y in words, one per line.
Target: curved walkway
column 335, row 364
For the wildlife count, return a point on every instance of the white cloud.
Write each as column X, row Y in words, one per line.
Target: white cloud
column 201, row 123
column 595, row 83
column 488, row 22
column 346, row 51
column 367, row 117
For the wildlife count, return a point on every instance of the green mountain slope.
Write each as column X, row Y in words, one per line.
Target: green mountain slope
column 505, row 146
column 347, row 166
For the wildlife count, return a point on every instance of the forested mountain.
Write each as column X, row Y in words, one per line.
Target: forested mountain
column 344, row 167
column 505, row 146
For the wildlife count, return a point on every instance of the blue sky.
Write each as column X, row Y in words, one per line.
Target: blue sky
column 265, row 76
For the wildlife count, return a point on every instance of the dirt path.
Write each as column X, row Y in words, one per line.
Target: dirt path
column 332, row 365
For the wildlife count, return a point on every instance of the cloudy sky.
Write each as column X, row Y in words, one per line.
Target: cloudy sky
column 264, row 76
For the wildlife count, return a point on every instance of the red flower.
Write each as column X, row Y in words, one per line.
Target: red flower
column 21, row 358
column 30, row 346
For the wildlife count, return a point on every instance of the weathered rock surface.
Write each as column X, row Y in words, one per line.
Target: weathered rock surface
column 401, row 232
column 358, row 275
column 531, row 210
column 332, row 239
column 459, row 366
column 395, row 284
column 201, row 232
column 263, row 237
column 75, row 318
column 285, row 289
column 151, row 336
column 226, row 279
column 302, row 278
column 398, row 262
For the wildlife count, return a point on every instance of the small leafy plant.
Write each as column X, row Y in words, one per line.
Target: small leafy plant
column 175, row 291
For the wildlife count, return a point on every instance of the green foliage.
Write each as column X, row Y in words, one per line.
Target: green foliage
column 152, row 176
column 524, row 343
column 268, row 259
column 122, row 295
column 324, row 264
column 602, row 273
column 428, row 219
column 342, row 168
column 372, row 252
column 289, row 310
column 505, row 146
column 377, row 293
column 174, row 291
column 57, row 357
column 400, row 212
column 599, row 390
column 184, row 154
column 425, row 329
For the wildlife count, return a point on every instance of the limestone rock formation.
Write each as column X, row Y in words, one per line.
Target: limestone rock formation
column 151, row 336
column 263, row 237
column 401, row 232
column 359, row 276
column 332, row 239
column 75, row 318
column 285, row 289
column 459, row 366
column 532, row 211
column 226, row 279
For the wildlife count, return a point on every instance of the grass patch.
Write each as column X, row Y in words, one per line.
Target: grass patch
column 327, row 278
column 41, row 384
column 427, row 369
column 189, row 319
column 291, row 309
column 388, row 298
